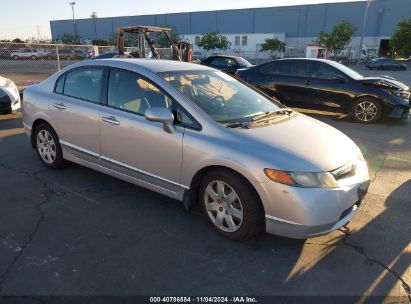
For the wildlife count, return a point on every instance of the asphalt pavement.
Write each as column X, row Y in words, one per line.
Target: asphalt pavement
column 80, row 232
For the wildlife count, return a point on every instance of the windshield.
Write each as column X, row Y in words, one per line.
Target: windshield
column 243, row 62
column 221, row 96
column 350, row 72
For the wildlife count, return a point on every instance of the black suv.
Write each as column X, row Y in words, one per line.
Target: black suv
column 328, row 85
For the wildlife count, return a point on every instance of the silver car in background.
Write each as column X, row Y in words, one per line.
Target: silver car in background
column 202, row 137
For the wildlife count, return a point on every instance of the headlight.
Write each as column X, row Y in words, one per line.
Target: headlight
column 402, row 94
column 302, row 179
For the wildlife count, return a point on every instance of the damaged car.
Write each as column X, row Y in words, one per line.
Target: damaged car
column 330, row 86
column 9, row 96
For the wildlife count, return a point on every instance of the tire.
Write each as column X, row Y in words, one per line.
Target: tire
column 33, row 57
column 366, row 110
column 239, row 210
column 45, row 138
column 15, row 57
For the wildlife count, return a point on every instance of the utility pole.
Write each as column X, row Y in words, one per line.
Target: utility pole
column 72, row 4
column 38, row 33
column 363, row 31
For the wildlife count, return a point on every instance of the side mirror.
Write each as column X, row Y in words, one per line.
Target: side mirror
column 338, row 78
column 162, row 115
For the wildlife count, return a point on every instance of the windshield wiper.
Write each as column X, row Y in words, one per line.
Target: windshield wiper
column 234, row 125
column 271, row 114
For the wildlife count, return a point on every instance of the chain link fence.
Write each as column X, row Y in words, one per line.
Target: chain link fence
column 30, row 63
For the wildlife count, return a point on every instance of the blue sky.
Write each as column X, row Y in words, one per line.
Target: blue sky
column 27, row 18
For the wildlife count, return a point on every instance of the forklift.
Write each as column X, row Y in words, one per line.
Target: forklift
column 180, row 52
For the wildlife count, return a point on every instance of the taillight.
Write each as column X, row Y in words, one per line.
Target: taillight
column 237, row 74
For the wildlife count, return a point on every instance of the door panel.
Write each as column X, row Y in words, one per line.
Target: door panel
column 322, row 91
column 132, row 145
column 284, row 80
column 77, row 125
column 76, row 120
column 140, row 148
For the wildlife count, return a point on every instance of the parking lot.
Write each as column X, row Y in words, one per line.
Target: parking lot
column 79, row 232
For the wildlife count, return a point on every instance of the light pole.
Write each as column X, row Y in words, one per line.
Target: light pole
column 364, row 23
column 74, row 20
column 94, row 17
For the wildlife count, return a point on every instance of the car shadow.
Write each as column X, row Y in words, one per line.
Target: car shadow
column 381, row 244
column 10, row 121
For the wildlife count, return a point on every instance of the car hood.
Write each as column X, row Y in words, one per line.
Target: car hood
column 300, row 144
column 385, row 82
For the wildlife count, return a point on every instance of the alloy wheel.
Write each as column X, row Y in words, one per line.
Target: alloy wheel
column 366, row 111
column 223, row 206
column 46, row 147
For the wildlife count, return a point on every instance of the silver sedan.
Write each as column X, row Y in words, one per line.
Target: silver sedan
column 202, row 137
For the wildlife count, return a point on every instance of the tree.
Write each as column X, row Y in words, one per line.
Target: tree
column 17, row 40
column 339, row 37
column 401, row 39
column 214, row 40
column 271, row 45
column 99, row 42
column 67, row 38
column 162, row 40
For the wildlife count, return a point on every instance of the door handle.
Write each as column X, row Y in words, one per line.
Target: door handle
column 111, row 120
column 59, row 106
column 307, row 82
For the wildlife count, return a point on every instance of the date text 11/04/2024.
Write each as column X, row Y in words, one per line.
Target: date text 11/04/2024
column 240, row 299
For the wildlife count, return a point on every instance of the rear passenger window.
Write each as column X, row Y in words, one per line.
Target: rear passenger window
column 287, row 67
column 320, row 70
column 84, row 83
column 269, row 68
column 290, row 68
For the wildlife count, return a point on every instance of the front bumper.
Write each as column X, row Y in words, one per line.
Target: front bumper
column 399, row 108
column 302, row 213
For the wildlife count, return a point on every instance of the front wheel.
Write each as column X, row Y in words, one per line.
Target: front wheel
column 48, row 147
column 366, row 110
column 231, row 205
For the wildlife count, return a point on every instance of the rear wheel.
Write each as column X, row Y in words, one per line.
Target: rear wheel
column 33, row 57
column 366, row 110
column 231, row 205
column 15, row 57
column 48, row 147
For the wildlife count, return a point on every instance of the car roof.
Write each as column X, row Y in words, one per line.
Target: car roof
column 225, row 56
column 157, row 65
